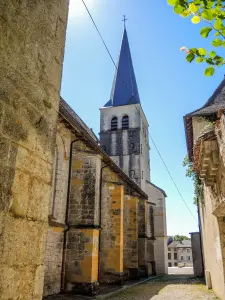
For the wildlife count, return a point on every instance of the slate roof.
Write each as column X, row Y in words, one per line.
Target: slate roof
column 184, row 244
column 124, row 88
column 173, row 244
column 215, row 103
column 66, row 106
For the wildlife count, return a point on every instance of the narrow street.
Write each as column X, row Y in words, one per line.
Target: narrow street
column 168, row 287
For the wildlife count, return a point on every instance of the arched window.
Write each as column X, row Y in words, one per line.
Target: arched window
column 114, row 123
column 125, row 122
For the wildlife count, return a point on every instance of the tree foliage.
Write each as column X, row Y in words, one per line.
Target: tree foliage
column 198, row 186
column 180, row 238
column 211, row 13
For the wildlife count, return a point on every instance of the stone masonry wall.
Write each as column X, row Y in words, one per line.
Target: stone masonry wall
column 32, row 47
column 53, row 260
column 111, row 239
column 57, row 211
column 83, row 234
column 131, row 236
column 84, row 191
column 82, row 261
column 142, row 241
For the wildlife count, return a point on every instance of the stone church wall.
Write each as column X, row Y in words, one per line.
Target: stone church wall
column 57, row 210
column 160, row 231
column 32, row 47
column 131, row 236
column 112, row 233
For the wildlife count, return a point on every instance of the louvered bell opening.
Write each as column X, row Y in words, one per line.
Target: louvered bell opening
column 125, row 122
column 114, row 123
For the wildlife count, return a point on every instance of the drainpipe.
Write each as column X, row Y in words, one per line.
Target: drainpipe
column 100, row 218
column 62, row 288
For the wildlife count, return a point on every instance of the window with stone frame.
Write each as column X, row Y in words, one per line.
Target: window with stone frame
column 175, row 264
column 182, row 258
column 114, row 123
column 169, row 264
column 169, row 255
column 125, row 122
column 175, row 255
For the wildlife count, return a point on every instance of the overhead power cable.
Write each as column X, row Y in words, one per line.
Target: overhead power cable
column 160, row 155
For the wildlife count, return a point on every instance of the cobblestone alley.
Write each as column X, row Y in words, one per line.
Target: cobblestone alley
column 170, row 287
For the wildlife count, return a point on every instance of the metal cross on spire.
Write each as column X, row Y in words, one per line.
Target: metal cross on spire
column 124, row 20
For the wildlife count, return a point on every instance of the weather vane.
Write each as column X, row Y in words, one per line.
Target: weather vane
column 124, row 20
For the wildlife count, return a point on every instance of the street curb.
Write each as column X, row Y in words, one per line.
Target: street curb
column 124, row 288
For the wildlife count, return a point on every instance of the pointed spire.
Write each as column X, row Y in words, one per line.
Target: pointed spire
column 124, row 89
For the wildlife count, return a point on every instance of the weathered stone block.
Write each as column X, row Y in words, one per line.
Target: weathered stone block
column 82, row 258
column 112, row 238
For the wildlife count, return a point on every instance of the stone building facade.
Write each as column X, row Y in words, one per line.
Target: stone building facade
column 180, row 254
column 32, row 49
column 124, row 137
column 205, row 135
column 101, row 227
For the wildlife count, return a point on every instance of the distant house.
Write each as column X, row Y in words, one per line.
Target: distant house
column 180, row 254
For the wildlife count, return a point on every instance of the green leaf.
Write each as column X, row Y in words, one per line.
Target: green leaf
column 210, row 61
column 217, row 33
column 218, row 24
column 209, row 71
column 202, row 51
column 178, row 9
column 193, row 8
column 199, row 60
column 212, row 54
column 205, row 31
column 217, row 42
column 190, row 57
column 194, row 50
column 207, row 14
column 195, row 19
column 223, row 44
column 172, row 2
column 185, row 13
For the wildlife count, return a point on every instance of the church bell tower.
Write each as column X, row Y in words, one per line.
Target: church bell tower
column 123, row 126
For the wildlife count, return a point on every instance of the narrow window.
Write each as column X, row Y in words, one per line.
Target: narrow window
column 141, row 148
column 175, row 255
column 169, row 255
column 170, row 265
column 114, row 123
column 181, row 258
column 125, row 122
column 142, row 174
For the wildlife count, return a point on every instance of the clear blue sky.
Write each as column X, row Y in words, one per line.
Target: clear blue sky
column 169, row 87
